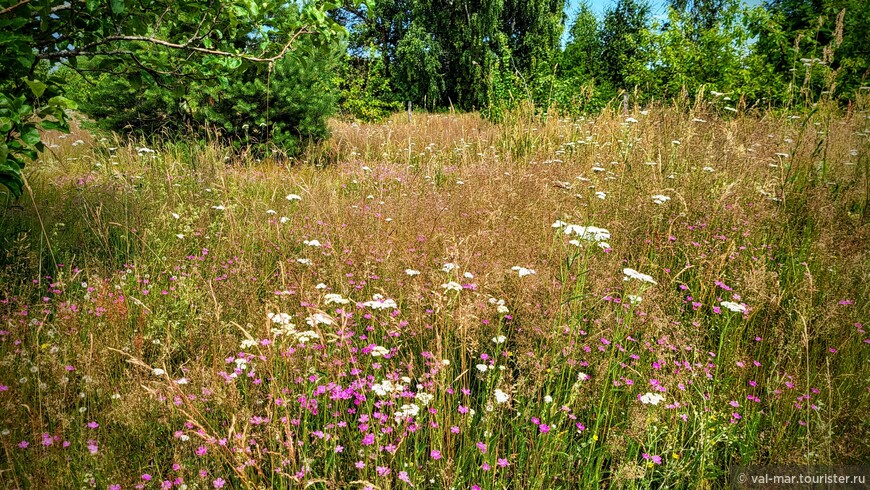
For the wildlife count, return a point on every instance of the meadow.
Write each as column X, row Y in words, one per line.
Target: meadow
column 624, row 300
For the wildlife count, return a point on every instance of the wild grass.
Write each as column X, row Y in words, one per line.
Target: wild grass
column 141, row 289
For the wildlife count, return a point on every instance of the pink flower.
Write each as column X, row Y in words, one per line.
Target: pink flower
column 146, row 477
column 360, row 465
column 403, row 475
column 544, row 428
column 219, row 483
column 435, row 454
column 485, row 467
column 481, row 446
column 201, row 450
column 93, row 425
column 383, row 471
column 502, row 462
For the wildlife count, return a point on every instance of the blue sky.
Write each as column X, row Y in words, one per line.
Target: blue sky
column 657, row 7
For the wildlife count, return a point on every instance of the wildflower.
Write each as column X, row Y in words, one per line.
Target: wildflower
column 294, row 197
column 452, row 286
column 660, row 199
column 735, row 307
column 403, row 475
column 146, row 477
column 651, row 398
column 600, row 195
column 482, row 447
column 312, row 243
column 448, row 267
column 522, row 271
column 360, row 465
column 548, row 399
column 502, row 462
column 435, row 454
column 631, row 120
column 501, row 396
column 23, row 444
column 219, row 207
column 412, row 272
column 633, row 274
column 93, row 425
column 482, row 367
column 383, row 471
column 158, row 372
column 333, row 298
column 219, row 483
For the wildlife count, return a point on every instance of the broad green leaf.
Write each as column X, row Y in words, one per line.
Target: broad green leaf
column 118, row 7
column 36, row 86
column 10, row 175
column 30, row 135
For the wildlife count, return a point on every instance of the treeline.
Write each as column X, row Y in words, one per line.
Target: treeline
column 268, row 74
column 492, row 55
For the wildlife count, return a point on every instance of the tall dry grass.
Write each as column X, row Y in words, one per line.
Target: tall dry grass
column 127, row 270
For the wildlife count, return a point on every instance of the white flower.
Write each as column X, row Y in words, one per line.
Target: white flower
column 707, row 169
column 633, row 274
column 468, row 275
column 407, row 411
column 735, row 307
column 380, row 351
column 181, row 381
column 321, row 286
column 634, row 299
column 312, row 243
column 630, row 120
column 600, row 195
column 412, row 272
column 448, row 267
column 247, row 344
column 452, row 286
column 336, row 299
column 383, row 388
column 294, row 197
column 175, row 215
column 583, row 376
column 548, row 399
column 318, row 319
column 660, row 199
column 219, row 207
column 501, row 396
column 482, row 368
column 283, row 219
column 499, row 339
column 445, row 362
column 379, row 303
column 271, row 211
column 304, row 261
column 180, row 236
column 651, row 398
column 589, row 233
column 158, row 372
column 424, row 398
column 522, row 271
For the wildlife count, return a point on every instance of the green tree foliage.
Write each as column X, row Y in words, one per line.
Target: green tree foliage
column 440, row 54
column 144, row 43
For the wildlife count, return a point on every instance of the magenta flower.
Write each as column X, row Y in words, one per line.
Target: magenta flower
column 23, row 444
column 502, row 462
column 383, row 471
column 544, row 428
column 201, row 451
column 360, row 465
column 146, row 477
column 403, row 475
column 93, row 425
column 481, row 446
column 219, row 483
column 435, row 454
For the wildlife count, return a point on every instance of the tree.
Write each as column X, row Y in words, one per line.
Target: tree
column 142, row 42
column 622, row 33
column 582, row 55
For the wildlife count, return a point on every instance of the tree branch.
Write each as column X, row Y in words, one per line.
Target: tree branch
column 13, row 7
column 69, row 53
